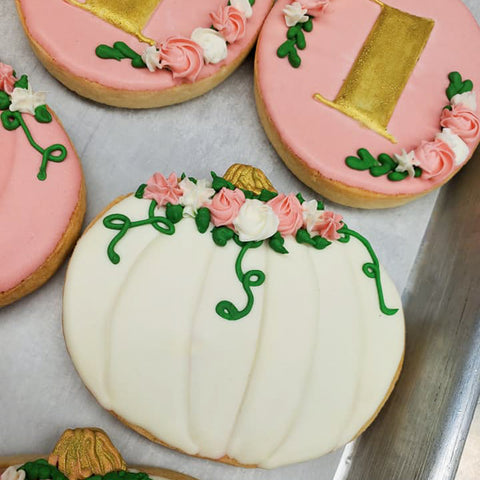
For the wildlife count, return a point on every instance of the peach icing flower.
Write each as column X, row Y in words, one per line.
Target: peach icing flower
column 163, row 190
column 230, row 22
column 225, row 206
column 289, row 211
column 182, row 56
column 328, row 225
column 462, row 122
column 7, row 79
column 435, row 158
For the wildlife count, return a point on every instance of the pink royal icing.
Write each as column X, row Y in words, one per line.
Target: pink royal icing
column 435, row 158
column 182, row 56
column 323, row 137
column 7, row 78
column 163, row 190
column 289, row 212
column 61, row 31
column 34, row 214
column 328, row 225
column 230, row 22
column 315, row 7
column 462, row 122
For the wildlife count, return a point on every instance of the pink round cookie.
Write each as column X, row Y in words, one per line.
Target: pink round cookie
column 370, row 103
column 42, row 196
column 142, row 54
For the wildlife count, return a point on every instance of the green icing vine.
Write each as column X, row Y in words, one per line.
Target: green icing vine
column 370, row 269
column 120, row 51
column 42, row 470
column 295, row 40
column 385, row 164
column 13, row 120
column 253, row 278
column 123, row 224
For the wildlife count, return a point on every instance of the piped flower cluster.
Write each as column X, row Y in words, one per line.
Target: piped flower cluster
column 236, row 212
column 299, row 18
column 185, row 57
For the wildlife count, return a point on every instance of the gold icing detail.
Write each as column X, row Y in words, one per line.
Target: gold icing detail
column 248, row 178
column 131, row 16
column 84, row 452
column 382, row 69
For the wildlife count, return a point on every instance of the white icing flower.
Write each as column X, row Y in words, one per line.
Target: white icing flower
column 213, row 44
column 406, row 162
column 194, row 195
column 11, row 473
column 255, row 221
column 244, row 6
column 311, row 214
column 458, row 146
column 468, row 99
column 26, row 101
column 151, row 58
column 294, row 14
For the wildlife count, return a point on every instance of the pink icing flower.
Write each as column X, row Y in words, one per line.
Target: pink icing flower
column 315, row 6
column 328, row 224
column 462, row 122
column 7, row 79
column 230, row 22
column 289, row 211
column 182, row 56
column 163, row 190
column 225, row 206
column 435, row 158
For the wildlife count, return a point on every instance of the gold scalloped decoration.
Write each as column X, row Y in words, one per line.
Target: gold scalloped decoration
column 84, row 452
column 249, row 178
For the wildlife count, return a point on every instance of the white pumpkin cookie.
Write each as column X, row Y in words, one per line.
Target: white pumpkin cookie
column 232, row 322
column 142, row 54
column 80, row 454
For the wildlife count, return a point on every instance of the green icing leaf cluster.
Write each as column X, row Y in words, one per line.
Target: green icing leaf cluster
column 13, row 120
column 295, row 41
column 42, row 470
column 383, row 165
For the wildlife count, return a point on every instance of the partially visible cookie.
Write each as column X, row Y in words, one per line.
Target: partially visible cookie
column 42, row 193
column 228, row 321
column 370, row 103
column 142, row 54
column 80, row 454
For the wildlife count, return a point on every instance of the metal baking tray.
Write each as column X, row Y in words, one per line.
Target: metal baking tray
column 430, row 247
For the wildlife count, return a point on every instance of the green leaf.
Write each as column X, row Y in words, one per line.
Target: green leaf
column 364, row 161
column 387, row 164
column 303, row 236
column 219, row 182
column 267, row 195
column 248, row 194
column 42, row 115
column 222, row 235
column 4, row 101
column 203, row 219
column 140, row 190
column 300, row 198
column 294, row 59
column 301, row 42
column 252, row 2
column 320, row 205
column 397, row 176
column 457, row 85
column 174, row 212
column 320, row 243
column 418, row 172
column 308, row 26
column 276, row 243
column 285, row 48
column 22, row 83
column 10, row 120
column 108, row 53
column 292, row 32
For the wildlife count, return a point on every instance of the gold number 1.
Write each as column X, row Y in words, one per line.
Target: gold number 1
column 131, row 16
column 381, row 71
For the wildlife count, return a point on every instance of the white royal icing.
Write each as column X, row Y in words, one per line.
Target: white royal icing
column 11, row 473
column 244, row 6
column 459, row 147
column 295, row 13
column 213, row 44
column 151, row 58
column 299, row 376
column 468, row 99
column 25, row 100
column 194, row 195
column 255, row 221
